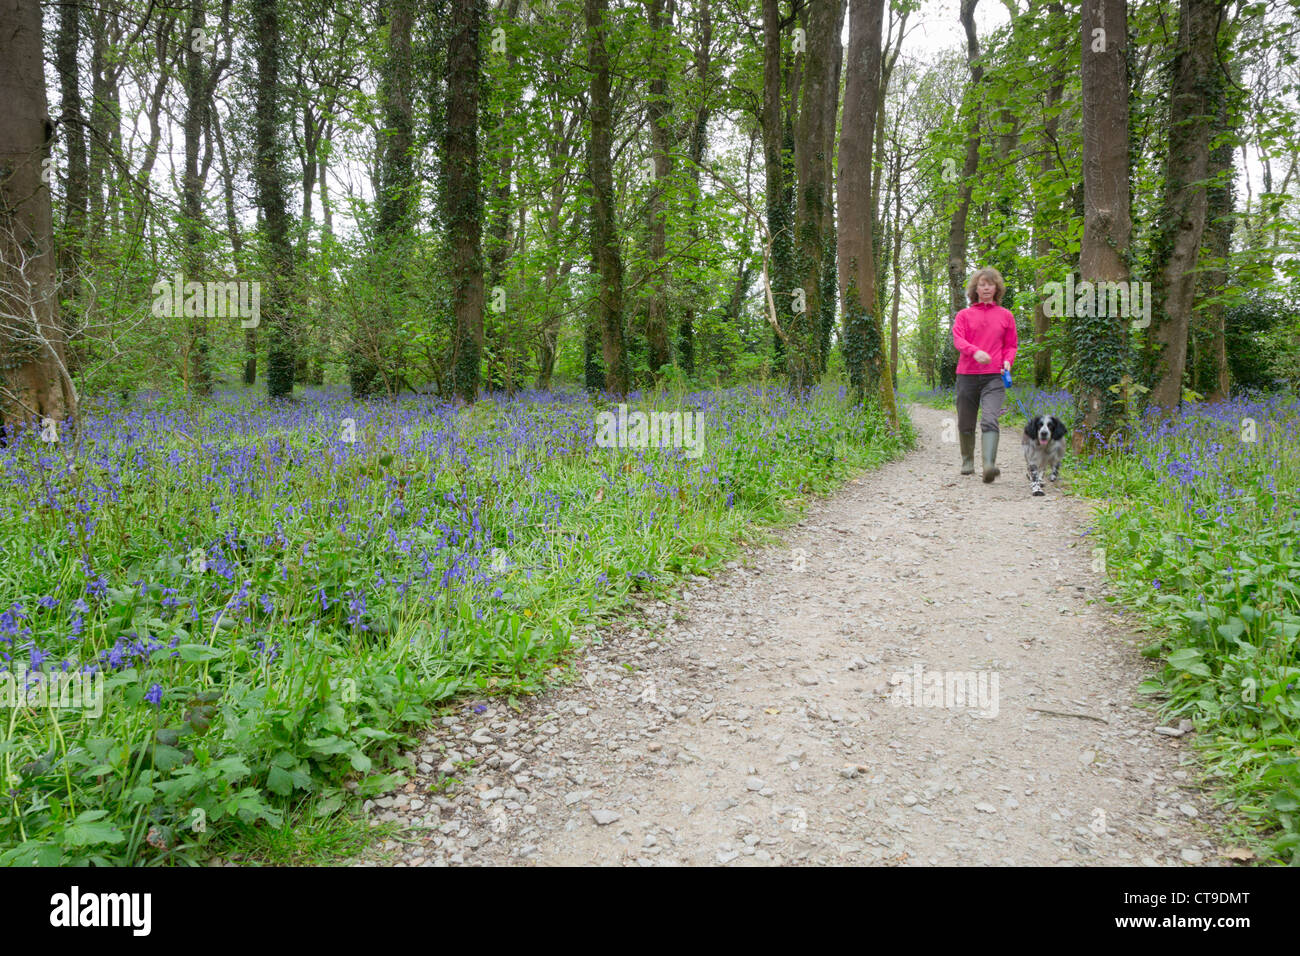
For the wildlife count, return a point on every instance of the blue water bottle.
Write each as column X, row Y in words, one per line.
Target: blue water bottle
column 1006, row 377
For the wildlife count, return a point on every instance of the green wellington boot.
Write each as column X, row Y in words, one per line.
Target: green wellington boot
column 967, row 452
column 989, row 449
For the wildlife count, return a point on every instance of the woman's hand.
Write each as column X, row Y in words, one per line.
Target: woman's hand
column 1006, row 366
column 982, row 357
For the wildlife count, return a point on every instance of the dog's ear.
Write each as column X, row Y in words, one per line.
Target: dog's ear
column 1058, row 428
column 1031, row 426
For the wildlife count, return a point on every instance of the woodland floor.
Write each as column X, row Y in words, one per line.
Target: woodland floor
column 751, row 721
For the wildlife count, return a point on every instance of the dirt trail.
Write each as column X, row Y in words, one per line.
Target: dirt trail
column 754, row 720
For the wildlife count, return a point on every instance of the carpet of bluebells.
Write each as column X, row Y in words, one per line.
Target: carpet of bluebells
column 273, row 596
column 1200, row 528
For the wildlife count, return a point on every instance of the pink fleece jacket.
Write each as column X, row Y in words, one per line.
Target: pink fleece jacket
column 986, row 326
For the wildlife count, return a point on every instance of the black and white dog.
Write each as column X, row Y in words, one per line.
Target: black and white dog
column 1044, row 444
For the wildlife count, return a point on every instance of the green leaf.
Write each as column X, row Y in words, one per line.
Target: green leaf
column 1232, row 629
column 167, row 758
column 199, row 652
column 329, row 805
column 279, row 781
column 1285, row 802
column 380, row 783
column 1189, row 661
column 88, row 830
column 329, row 745
column 1183, row 657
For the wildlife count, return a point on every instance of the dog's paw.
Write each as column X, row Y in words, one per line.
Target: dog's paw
column 1055, row 476
column 1038, row 491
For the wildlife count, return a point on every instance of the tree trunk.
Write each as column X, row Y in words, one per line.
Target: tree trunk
column 592, row 368
column 815, row 141
column 864, row 351
column 501, row 149
column 199, row 374
column 464, row 200
column 72, row 125
column 957, row 228
column 1046, row 219
column 925, row 271
column 34, row 380
column 269, row 180
column 660, row 15
column 698, row 141
column 97, row 160
column 889, row 57
column 898, row 269
column 1192, row 114
column 1220, row 209
column 1102, row 347
column 554, row 274
column 830, row 236
column 236, row 245
column 778, row 142
column 604, row 238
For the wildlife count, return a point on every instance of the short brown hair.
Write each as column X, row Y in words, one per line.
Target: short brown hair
column 972, row 292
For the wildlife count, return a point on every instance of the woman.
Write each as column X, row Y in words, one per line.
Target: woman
column 985, row 335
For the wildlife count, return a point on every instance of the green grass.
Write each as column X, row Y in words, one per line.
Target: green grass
column 275, row 609
column 1198, row 525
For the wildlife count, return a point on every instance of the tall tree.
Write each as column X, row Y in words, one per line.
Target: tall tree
column 830, row 260
column 233, row 232
column 1192, row 115
column 501, row 138
column 816, row 142
column 698, row 140
column 896, row 259
column 76, row 190
column 1220, row 209
column 890, row 51
column 464, row 199
column 1046, row 212
column 1101, row 341
column 105, row 122
column 658, row 116
column 199, row 375
column 269, row 179
column 34, row 380
column 778, row 147
column 607, row 262
column 864, row 350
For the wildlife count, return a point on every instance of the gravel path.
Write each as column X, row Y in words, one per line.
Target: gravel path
column 754, row 720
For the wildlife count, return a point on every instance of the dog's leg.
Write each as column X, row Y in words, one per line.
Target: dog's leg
column 1056, row 471
column 1035, row 481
